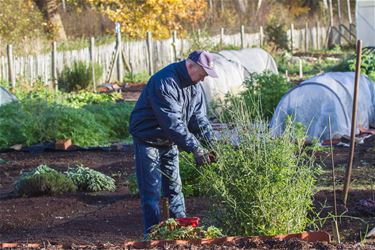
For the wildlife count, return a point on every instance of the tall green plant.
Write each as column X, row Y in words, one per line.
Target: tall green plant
column 260, row 184
column 78, row 76
column 261, row 95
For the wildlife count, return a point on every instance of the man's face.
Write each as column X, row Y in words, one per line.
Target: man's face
column 198, row 73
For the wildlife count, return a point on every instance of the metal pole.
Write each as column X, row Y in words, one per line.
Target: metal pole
column 11, row 76
column 354, row 120
column 92, row 59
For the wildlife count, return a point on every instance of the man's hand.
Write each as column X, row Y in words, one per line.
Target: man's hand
column 201, row 156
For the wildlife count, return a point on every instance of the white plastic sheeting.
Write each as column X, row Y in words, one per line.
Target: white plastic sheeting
column 365, row 22
column 254, row 60
column 6, row 97
column 233, row 68
column 325, row 96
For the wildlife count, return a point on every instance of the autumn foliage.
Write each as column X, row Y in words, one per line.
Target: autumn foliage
column 159, row 16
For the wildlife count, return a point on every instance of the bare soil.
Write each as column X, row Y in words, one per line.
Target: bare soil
column 107, row 219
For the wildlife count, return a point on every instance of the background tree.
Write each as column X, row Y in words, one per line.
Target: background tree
column 54, row 24
column 159, row 16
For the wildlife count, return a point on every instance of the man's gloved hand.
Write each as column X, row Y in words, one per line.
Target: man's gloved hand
column 201, row 156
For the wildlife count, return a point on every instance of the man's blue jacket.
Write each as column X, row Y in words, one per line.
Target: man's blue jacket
column 171, row 110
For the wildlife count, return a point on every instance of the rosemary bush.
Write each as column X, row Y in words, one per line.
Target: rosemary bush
column 261, row 185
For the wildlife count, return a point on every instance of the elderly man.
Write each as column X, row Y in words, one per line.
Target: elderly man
column 169, row 115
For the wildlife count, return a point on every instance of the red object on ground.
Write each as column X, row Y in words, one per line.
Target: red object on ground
column 188, row 221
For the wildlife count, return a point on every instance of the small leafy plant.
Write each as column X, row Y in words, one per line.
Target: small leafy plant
column 43, row 180
column 90, row 180
column 172, row 230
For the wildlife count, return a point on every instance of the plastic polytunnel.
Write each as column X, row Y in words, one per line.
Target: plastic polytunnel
column 233, row 68
column 325, row 101
column 6, row 97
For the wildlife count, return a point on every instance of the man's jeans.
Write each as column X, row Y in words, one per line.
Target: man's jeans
column 157, row 169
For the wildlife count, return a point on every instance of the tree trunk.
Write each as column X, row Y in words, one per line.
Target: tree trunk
column 50, row 10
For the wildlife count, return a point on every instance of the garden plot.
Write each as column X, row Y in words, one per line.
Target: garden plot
column 113, row 217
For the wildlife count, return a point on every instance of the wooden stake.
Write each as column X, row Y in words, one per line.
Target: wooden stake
column 165, row 208
column 54, row 66
column 242, row 32
column 354, row 121
column 174, row 44
column 92, row 58
column 149, row 53
column 11, row 78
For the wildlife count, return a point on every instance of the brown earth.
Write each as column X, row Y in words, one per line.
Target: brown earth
column 110, row 218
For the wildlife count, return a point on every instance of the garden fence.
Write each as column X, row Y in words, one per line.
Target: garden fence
column 137, row 55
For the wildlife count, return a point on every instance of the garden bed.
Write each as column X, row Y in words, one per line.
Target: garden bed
column 110, row 219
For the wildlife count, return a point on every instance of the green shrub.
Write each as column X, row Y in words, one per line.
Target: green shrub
column 262, row 186
column 263, row 92
column 43, row 180
column 367, row 64
column 78, row 76
column 90, row 180
column 114, row 117
column 276, row 34
column 34, row 120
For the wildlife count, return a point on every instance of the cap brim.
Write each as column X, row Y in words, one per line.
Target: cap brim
column 211, row 72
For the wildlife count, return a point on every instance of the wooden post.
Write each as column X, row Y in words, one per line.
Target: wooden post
column 165, row 208
column 54, row 66
column 261, row 36
column 339, row 11
column 31, row 70
column 119, row 54
column 306, row 37
column 11, row 73
column 221, row 37
column 330, row 14
column 64, row 5
column 300, row 68
column 349, row 12
column 92, row 61
column 242, row 35
column 149, row 53
column 174, row 45
column 291, row 37
column 340, row 19
column 317, row 35
column 348, row 171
